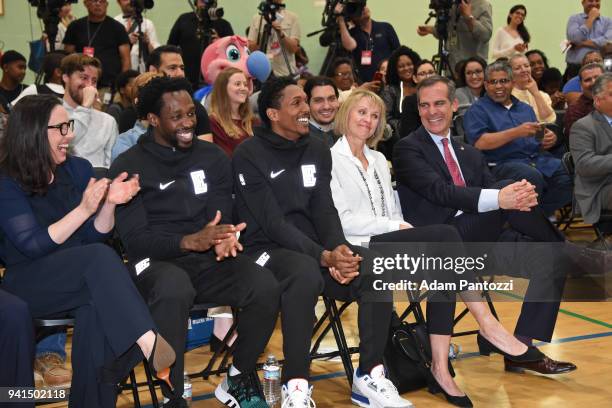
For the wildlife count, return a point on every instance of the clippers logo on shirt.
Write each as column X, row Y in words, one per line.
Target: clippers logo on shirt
column 142, row 265
column 241, row 179
column 263, row 258
column 199, row 183
column 308, row 175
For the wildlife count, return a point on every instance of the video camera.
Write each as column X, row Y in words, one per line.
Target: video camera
column 140, row 5
column 268, row 9
column 442, row 4
column 212, row 11
column 45, row 8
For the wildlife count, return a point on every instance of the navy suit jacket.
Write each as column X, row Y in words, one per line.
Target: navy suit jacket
column 425, row 187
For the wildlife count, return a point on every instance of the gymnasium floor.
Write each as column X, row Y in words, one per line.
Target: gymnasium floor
column 583, row 335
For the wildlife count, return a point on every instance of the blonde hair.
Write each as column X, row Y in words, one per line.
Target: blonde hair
column 221, row 110
column 139, row 82
column 342, row 118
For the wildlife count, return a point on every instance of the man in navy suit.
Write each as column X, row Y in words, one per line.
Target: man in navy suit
column 441, row 180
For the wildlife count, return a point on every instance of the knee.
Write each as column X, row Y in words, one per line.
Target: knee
column 171, row 284
column 306, row 277
column 445, row 233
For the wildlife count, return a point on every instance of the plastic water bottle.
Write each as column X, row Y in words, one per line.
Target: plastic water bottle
column 272, row 381
column 187, row 389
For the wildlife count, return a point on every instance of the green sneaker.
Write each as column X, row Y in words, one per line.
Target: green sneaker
column 241, row 391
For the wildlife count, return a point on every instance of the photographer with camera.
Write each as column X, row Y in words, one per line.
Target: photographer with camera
column 370, row 41
column 140, row 30
column 467, row 24
column 276, row 32
column 193, row 31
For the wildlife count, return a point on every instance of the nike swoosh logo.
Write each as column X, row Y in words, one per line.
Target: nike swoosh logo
column 276, row 174
column 165, row 186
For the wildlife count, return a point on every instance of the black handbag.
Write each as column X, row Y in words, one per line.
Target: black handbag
column 407, row 356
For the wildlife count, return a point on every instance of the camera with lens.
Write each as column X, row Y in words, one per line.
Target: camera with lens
column 442, row 4
column 46, row 8
column 268, row 9
column 212, row 11
column 140, row 5
column 353, row 8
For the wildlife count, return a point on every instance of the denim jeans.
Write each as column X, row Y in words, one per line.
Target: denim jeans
column 54, row 343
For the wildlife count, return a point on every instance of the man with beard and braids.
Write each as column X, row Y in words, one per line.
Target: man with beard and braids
column 322, row 96
column 282, row 184
column 94, row 131
column 181, row 244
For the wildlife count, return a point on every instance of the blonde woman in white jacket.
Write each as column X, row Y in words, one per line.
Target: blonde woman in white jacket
column 365, row 200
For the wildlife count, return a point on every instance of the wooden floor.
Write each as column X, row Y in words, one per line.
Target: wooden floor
column 583, row 335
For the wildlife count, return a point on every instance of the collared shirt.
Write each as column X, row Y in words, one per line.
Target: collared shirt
column 487, row 201
column 609, row 119
column 600, row 33
column 127, row 139
column 325, row 133
column 488, row 116
column 382, row 41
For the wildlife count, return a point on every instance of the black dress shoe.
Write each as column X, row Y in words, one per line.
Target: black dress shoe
column 457, row 401
column 545, row 365
column 485, row 347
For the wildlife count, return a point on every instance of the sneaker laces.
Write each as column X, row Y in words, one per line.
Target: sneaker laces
column 299, row 399
column 385, row 387
column 245, row 386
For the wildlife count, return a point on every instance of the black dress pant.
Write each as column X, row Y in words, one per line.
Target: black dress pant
column 91, row 283
column 537, row 319
column 16, row 345
column 171, row 287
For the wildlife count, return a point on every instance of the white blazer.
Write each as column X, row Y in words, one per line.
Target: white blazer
column 351, row 196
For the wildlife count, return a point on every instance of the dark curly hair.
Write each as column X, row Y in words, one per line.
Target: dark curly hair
column 150, row 96
column 392, row 76
column 522, row 30
column 25, row 154
column 540, row 53
column 270, row 96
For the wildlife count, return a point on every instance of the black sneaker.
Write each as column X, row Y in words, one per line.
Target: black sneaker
column 241, row 391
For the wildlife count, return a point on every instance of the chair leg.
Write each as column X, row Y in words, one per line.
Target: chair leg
column 223, row 350
column 151, row 384
column 338, row 331
column 134, row 387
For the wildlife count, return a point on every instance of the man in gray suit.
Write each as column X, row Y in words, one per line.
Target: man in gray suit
column 591, row 147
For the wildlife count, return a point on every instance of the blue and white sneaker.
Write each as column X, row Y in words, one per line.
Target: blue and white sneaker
column 376, row 391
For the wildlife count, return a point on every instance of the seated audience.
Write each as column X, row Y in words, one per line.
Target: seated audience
column 584, row 105
column 551, row 84
column 322, row 96
column 572, row 88
column 129, row 138
column 52, row 79
column 54, row 218
column 472, row 86
column 514, row 37
column 13, row 66
column 400, row 83
column 342, row 73
column 382, row 70
column 444, row 181
column 526, row 90
column 591, row 148
column 231, row 119
column 504, row 129
column 94, row 131
column 182, row 253
column 122, row 101
column 539, row 63
column 411, row 120
column 283, row 194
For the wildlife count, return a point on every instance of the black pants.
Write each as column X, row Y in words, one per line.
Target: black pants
column 16, row 345
column 537, row 319
column 91, row 283
column 170, row 288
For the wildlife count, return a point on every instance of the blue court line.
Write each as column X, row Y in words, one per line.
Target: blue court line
column 461, row 357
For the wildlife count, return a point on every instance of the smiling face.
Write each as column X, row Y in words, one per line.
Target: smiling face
column 517, row 17
column 499, row 87
column 175, row 125
column 474, row 75
column 171, row 64
column 537, row 65
column 343, row 77
column 290, row 119
column 587, row 80
column 405, row 68
column 362, row 120
column 237, row 89
column 521, row 70
column 323, row 104
column 435, row 109
column 58, row 143
column 424, row 71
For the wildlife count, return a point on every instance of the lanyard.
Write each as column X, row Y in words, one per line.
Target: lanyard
column 89, row 37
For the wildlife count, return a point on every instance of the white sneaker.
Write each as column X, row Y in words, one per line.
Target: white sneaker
column 297, row 398
column 376, row 392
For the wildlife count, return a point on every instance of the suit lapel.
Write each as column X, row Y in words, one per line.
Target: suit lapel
column 603, row 124
column 432, row 152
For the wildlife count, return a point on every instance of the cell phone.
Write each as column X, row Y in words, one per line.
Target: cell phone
column 539, row 135
column 378, row 76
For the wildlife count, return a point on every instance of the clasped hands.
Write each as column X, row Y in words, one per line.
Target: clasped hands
column 118, row 191
column 221, row 237
column 342, row 263
column 520, row 195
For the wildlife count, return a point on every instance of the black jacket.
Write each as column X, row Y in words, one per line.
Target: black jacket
column 180, row 192
column 283, row 194
column 425, row 187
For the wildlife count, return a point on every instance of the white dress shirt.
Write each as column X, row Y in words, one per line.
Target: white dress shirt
column 147, row 28
column 359, row 220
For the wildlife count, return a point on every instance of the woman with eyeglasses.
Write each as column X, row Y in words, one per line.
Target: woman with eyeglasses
column 410, row 119
column 472, row 87
column 514, row 37
column 54, row 217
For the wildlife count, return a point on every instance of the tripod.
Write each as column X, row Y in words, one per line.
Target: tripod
column 264, row 37
column 440, row 59
column 143, row 49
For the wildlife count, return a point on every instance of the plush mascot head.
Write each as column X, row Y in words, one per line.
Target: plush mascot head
column 233, row 51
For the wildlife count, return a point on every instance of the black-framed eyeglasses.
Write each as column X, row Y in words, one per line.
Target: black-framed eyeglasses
column 503, row 81
column 476, row 72
column 63, row 127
